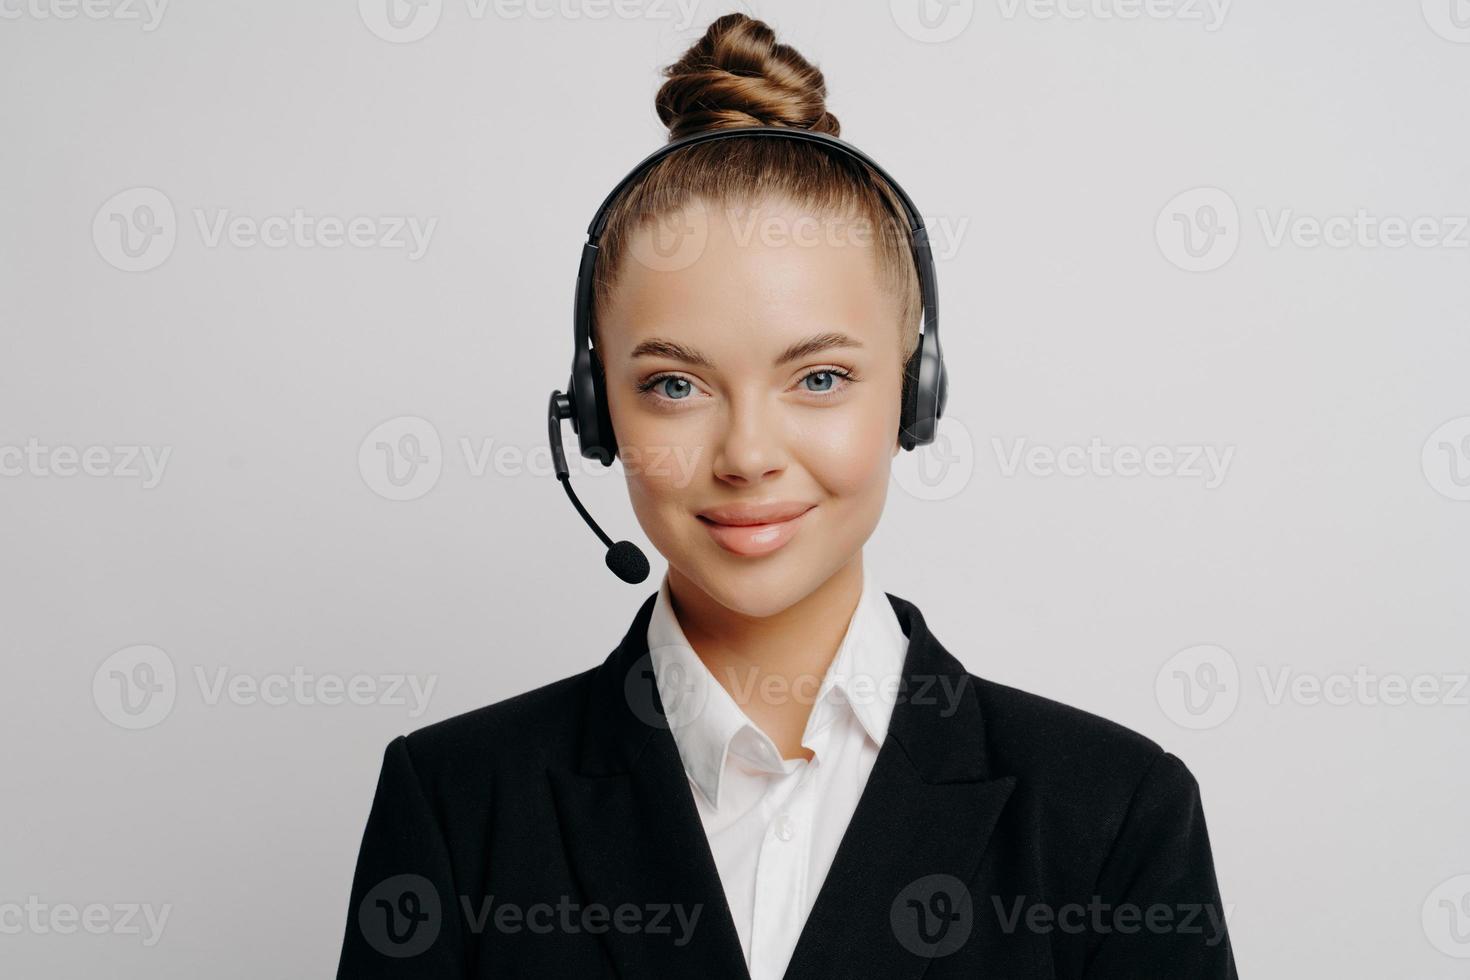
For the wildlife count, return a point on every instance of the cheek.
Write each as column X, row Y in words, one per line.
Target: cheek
column 850, row 453
column 658, row 457
column 663, row 487
column 663, row 465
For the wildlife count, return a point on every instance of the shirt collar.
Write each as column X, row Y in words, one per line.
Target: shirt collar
column 704, row 719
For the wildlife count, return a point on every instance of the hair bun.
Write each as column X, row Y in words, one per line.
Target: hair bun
column 737, row 75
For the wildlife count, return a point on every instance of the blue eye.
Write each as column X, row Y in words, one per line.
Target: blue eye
column 829, row 379
column 670, row 387
column 676, row 388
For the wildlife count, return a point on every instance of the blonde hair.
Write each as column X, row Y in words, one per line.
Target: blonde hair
column 738, row 75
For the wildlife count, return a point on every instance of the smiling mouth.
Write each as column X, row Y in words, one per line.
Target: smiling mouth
column 754, row 540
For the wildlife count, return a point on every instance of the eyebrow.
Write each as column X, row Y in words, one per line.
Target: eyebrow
column 815, row 344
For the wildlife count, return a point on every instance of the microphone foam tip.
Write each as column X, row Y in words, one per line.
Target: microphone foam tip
column 627, row 562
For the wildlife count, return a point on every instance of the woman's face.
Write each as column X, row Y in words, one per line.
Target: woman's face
column 754, row 362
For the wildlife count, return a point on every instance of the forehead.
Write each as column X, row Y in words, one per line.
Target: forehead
column 747, row 277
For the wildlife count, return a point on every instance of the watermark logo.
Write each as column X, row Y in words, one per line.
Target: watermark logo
column 386, row 232
column 135, row 230
column 933, row 916
column 401, row 916
column 943, row 468
column 402, row 458
column 400, row 21
column 1446, row 917
column 664, row 691
column 672, row 240
column 135, row 687
column 1199, row 687
column 1199, row 230
column 1446, row 459
column 932, row 21
column 1450, row 19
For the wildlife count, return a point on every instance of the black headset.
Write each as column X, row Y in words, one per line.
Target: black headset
column 925, row 387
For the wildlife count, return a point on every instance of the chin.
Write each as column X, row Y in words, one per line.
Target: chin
column 761, row 587
column 757, row 594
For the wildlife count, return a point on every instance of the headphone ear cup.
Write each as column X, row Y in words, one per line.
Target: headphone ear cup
column 908, row 401
column 607, row 442
column 926, row 389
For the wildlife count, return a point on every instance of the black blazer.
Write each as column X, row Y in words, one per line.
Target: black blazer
column 1000, row 835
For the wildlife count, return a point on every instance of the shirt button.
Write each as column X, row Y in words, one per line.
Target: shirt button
column 785, row 829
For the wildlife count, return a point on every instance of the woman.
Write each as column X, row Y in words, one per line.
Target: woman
column 779, row 771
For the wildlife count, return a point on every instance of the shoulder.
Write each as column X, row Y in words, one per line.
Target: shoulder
column 517, row 735
column 1112, row 820
column 1011, row 713
column 1065, row 753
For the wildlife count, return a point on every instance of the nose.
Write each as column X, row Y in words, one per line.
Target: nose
column 752, row 446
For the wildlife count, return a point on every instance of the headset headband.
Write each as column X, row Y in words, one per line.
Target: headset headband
column 918, row 234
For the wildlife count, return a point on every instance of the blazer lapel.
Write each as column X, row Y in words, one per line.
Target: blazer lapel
column 633, row 833
column 905, row 886
column 902, row 889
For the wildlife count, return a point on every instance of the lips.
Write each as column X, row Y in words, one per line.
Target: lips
column 751, row 530
column 745, row 515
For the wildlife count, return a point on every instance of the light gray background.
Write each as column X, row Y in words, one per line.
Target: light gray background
column 1334, row 541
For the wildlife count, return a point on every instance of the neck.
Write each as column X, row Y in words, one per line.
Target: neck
column 772, row 666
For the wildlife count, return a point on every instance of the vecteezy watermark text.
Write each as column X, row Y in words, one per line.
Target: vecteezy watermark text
column 403, row 458
column 136, row 230
column 40, row 918
column 137, row 687
column 148, row 12
column 1205, row 463
column 571, row 917
column 1099, row 917
column 406, row 21
column 1210, row 13
column 1363, row 686
column 123, row 462
column 675, row 673
column 302, row 230
column 401, row 916
column 1201, row 686
column 1200, row 230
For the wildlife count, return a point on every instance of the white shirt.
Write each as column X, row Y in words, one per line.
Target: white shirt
column 774, row 824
